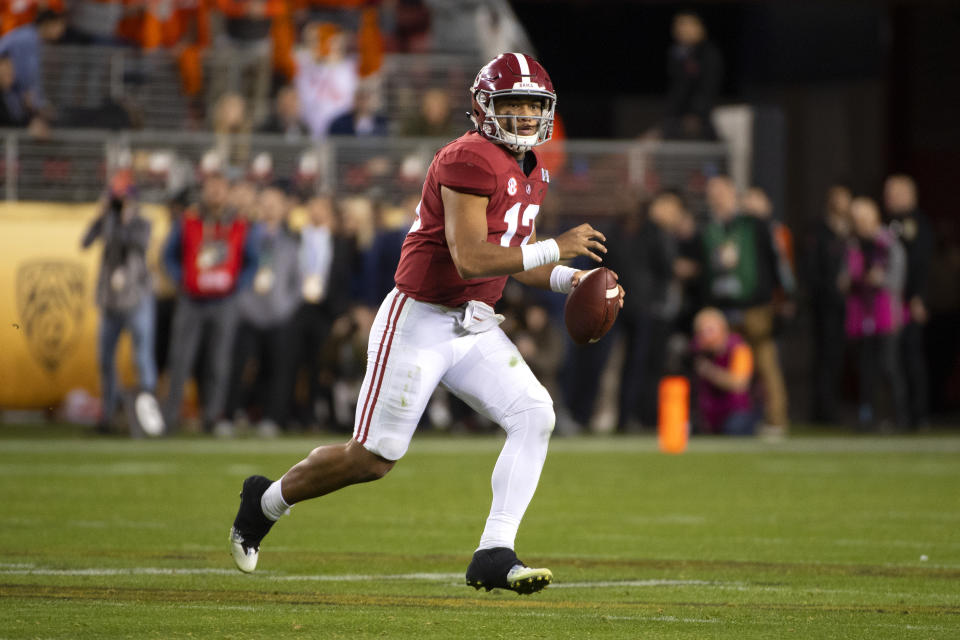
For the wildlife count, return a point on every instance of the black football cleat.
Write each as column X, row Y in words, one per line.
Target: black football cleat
column 250, row 525
column 499, row 568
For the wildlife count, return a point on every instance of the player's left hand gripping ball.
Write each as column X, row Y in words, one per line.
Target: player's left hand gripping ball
column 593, row 305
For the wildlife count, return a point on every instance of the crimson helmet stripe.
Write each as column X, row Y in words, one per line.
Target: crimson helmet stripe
column 524, row 67
column 373, row 378
column 365, row 429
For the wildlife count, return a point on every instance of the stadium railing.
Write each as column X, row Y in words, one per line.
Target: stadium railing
column 147, row 84
column 588, row 177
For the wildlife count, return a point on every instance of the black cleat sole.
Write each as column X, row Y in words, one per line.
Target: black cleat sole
column 530, row 585
column 524, row 586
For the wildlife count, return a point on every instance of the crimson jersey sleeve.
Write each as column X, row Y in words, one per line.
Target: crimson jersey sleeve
column 471, row 164
column 467, row 172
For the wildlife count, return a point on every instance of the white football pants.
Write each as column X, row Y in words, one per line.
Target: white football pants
column 413, row 347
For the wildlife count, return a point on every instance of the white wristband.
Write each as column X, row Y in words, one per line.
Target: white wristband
column 540, row 253
column 561, row 279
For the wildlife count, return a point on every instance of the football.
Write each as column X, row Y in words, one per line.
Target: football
column 592, row 306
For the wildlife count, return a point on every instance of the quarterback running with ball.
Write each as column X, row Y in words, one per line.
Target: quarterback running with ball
column 475, row 227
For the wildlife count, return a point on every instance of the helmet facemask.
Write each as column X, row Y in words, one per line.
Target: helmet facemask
column 492, row 124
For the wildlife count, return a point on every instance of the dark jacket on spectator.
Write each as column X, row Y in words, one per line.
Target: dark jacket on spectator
column 291, row 130
column 916, row 234
column 644, row 261
column 826, row 261
column 124, row 278
column 346, row 125
column 695, row 74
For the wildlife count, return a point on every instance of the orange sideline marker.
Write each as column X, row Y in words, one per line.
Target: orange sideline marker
column 673, row 429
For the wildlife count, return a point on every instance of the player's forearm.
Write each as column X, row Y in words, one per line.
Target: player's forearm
column 486, row 260
column 538, row 277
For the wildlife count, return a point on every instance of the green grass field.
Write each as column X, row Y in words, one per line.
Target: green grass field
column 810, row 538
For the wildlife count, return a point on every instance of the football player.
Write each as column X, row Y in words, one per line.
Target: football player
column 475, row 226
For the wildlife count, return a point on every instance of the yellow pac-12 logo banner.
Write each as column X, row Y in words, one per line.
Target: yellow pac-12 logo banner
column 48, row 319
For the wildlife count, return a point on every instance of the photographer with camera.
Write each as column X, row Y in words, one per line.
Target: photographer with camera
column 125, row 297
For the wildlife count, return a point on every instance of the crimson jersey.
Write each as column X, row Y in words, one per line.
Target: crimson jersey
column 470, row 164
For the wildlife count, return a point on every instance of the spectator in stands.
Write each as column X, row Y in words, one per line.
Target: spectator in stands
column 435, row 118
column 756, row 202
column 210, row 255
column 913, row 229
column 642, row 253
column 686, row 269
column 345, row 351
column 95, row 22
column 244, row 48
column 873, row 282
column 381, row 258
column 16, row 14
column 363, row 119
column 265, row 313
column 231, row 128
column 125, row 297
column 826, row 262
column 14, row 111
column 723, row 365
column 358, row 222
column 325, row 262
column 306, row 179
column 24, row 48
column 741, row 267
column 286, row 118
column 260, row 172
column 411, row 26
column 242, row 200
column 695, row 72
column 326, row 77
column 166, row 290
column 100, row 23
column 542, row 345
column 498, row 29
column 186, row 33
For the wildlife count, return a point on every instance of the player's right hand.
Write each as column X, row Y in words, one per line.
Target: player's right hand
column 583, row 240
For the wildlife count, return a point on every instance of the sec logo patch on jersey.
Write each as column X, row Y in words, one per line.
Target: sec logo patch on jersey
column 512, row 186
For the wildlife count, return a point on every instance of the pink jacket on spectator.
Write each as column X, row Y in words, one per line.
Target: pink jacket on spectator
column 873, row 310
column 715, row 404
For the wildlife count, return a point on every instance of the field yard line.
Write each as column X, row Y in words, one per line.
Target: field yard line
column 129, row 571
column 602, row 584
column 20, row 569
column 28, row 570
column 438, row 577
column 684, row 620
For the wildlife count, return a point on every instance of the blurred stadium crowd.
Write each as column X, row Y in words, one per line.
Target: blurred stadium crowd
column 269, row 279
column 267, row 294
column 319, row 59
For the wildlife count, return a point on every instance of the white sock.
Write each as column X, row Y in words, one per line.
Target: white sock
column 516, row 474
column 272, row 503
